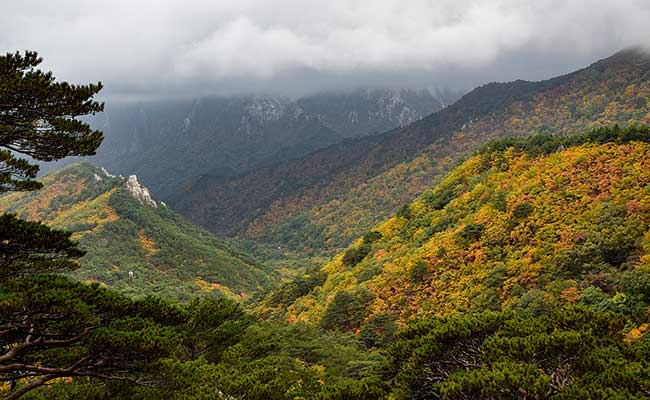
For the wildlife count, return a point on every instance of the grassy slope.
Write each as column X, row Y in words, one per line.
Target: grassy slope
column 169, row 255
column 506, row 229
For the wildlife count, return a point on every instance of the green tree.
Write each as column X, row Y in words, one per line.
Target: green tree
column 38, row 119
column 472, row 232
column 522, row 210
column 355, row 255
column 569, row 353
column 28, row 247
column 52, row 328
column 346, row 311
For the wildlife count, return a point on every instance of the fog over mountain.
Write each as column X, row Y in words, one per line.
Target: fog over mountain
column 170, row 142
column 294, row 47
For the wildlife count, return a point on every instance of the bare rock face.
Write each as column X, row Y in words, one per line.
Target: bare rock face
column 139, row 192
column 106, row 173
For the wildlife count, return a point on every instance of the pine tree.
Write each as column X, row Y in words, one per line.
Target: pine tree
column 38, row 314
column 38, row 118
column 51, row 328
column 28, row 247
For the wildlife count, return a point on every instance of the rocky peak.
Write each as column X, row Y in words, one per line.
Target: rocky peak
column 264, row 109
column 139, row 192
column 394, row 105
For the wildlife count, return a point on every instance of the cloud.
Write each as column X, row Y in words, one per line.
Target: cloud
column 192, row 47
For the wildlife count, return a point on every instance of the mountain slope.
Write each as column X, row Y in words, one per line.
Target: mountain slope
column 526, row 224
column 364, row 180
column 123, row 229
column 167, row 143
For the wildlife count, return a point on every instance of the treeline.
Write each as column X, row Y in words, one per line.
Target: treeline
column 540, row 144
column 212, row 350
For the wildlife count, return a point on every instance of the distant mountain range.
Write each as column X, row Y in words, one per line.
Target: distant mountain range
column 168, row 144
column 327, row 198
column 123, row 229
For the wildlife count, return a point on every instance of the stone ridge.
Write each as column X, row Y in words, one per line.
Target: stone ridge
column 139, row 192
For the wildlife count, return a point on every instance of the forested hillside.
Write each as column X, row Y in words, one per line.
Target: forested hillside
column 523, row 274
column 529, row 224
column 328, row 198
column 123, row 229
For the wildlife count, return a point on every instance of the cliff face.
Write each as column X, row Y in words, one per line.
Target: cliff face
column 139, row 192
column 368, row 111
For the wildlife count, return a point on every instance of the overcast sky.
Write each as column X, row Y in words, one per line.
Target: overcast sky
column 196, row 47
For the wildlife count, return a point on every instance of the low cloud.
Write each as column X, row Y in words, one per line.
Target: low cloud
column 194, row 47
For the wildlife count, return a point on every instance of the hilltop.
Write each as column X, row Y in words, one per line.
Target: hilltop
column 124, row 229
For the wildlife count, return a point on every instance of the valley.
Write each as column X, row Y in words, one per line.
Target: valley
column 333, row 195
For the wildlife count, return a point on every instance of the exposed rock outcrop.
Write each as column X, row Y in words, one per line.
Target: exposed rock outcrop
column 139, row 192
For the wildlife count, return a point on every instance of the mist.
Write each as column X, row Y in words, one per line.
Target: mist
column 163, row 48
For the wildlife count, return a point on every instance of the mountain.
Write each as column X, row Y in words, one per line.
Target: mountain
column 123, row 229
column 167, row 143
column 326, row 199
column 364, row 111
column 525, row 224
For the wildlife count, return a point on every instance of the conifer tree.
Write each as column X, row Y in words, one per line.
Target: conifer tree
column 47, row 333
column 38, row 119
column 28, row 247
column 51, row 328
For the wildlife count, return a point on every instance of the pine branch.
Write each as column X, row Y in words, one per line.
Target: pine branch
column 42, row 342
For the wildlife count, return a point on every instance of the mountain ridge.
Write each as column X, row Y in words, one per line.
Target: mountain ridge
column 334, row 184
column 125, row 230
column 167, row 143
